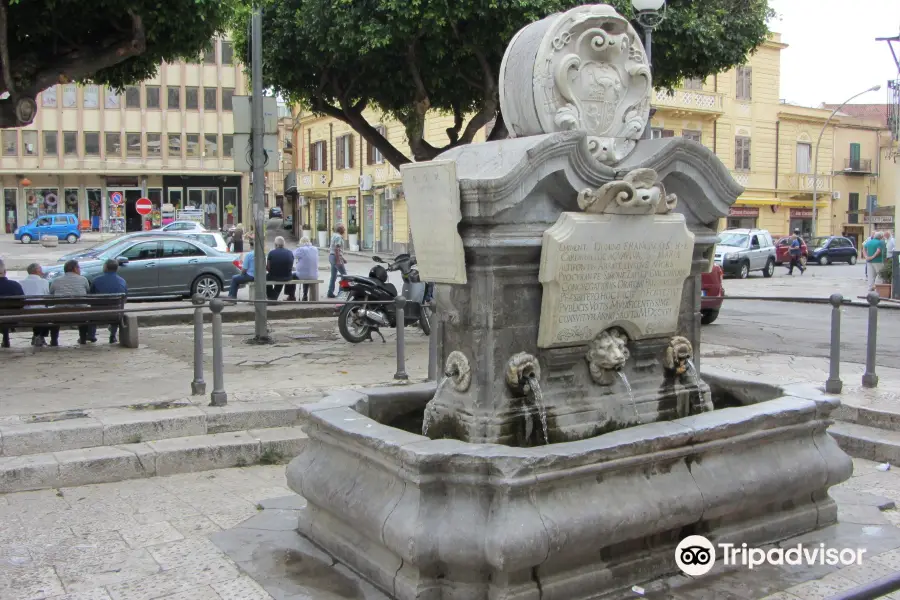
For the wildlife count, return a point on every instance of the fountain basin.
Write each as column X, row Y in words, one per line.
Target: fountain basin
column 441, row 519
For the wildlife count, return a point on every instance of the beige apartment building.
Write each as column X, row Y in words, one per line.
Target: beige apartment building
column 169, row 139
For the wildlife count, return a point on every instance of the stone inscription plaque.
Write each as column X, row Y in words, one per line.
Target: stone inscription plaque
column 600, row 271
column 433, row 204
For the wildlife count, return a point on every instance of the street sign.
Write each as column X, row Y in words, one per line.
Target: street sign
column 242, row 153
column 241, row 114
column 143, row 206
column 116, row 198
column 872, row 219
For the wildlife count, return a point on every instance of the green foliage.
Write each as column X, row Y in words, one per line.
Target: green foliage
column 352, row 229
column 321, row 227
column 887, row 271
column 406, row 57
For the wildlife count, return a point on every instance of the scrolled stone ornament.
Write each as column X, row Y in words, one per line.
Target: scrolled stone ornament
column 639, row 192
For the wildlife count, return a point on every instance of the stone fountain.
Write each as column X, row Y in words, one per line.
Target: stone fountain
column 571, row 443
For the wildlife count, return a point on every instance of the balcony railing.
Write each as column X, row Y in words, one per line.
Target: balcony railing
column 803, row 182
column 858, row 165
column 691, row 101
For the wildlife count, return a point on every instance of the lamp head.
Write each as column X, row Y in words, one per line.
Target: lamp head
column 876, row 88
column 647, row 5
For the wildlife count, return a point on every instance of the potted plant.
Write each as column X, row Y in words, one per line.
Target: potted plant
column 886, row 274
column 353, row 232
column 306, row 231
column 323, row 235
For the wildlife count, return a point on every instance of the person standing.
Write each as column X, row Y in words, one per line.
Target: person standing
column 73, row 283
column 874, row 251
column 796, row 253
column 245, row 276
column 279, row 267
column 237, row 239
column 8, row 288
column 307, row 267
column 36, row 285
column 889, row 244
column 336, row 257
column 110, row 283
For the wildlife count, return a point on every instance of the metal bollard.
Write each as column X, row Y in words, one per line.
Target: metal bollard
column 400, row 305
column 834, row 385
column 218, row 396
column 869, row 378
column 198, row 386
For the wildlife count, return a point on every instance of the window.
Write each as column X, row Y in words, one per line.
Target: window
column 70, row 143
column 209, row 56
column 227, row 53
column 853, row 209
column 50, row 148
column 152, row 97
column 209, row 99
column 373, row 154
column 742, row 153
column 154, row 145
column 175, row 145
column 175, row 197
column 48, row 97
column 694, row 136
column 173, row 249
column 70, row 96
column 113, row 145
column 30, row 143
column 144, row 251
column 804, row 153
column 854, row 157
column 134, row 144
column 211, row 145
column 227, row 98
column 91, row 143
column 10, row 143
column 71, row 195
column 227, row 145
column 91, row 96
column 191, row 98
column 744, row 76
column 113, row 99
column 193, row 146
column 318, row 156
column 174, row 100
column 693, row 83
column 132, row 97
column 344, row 152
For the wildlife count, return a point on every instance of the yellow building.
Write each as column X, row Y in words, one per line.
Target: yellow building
column 169, row 139
column 768, row 145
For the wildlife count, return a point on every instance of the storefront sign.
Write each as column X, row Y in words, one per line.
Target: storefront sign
column 801, row 213
column 743, row 211
column 351, row 200
column 871, row 219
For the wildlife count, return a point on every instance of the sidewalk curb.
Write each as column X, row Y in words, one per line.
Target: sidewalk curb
column 239, row 316
column 847, row 301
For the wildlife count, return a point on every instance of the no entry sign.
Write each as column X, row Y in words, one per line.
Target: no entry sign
column 143, row 206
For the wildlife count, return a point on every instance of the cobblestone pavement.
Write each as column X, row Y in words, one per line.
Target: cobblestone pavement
column 308, row 357
column 147, row 540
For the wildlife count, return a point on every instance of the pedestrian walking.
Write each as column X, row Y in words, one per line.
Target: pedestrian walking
column 245, row 276
column 237, row 239
column 796, row 252
column 279, row 267
column 8, row 288
column 336, row 257
column 36, row 285
column 874, row 251
column 307, row 267
column 73, row 283
column 110, row 283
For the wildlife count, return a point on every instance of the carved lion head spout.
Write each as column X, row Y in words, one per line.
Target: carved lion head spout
column 458, row 371
column 520, row 370
column 608, row 352
column 678, row 355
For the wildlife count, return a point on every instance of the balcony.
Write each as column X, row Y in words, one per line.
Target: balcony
column 311, row 182
column 802, row 183
column 290, row 183
column 689, row 102
column 856, row 166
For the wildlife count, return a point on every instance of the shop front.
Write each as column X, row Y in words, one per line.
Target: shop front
column 743, row 217
column 801, row 218
column 217, row 198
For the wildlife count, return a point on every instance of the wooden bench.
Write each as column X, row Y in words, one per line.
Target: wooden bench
column 70, row 311
column 313, row 283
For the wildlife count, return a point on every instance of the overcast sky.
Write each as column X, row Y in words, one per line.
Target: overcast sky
column 833, row 53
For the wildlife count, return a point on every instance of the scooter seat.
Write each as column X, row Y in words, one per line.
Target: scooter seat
column 390, row 287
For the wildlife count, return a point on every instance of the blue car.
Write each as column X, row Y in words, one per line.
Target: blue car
column 62, row 226
column 832, row 249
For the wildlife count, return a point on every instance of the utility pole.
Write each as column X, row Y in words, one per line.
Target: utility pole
column 257, row 130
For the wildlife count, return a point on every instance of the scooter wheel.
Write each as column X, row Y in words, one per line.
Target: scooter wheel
column 352, row 329
column 425, row 321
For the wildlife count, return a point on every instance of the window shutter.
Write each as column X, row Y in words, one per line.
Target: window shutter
column 737, row 153
column 339, row 146
column 326, row 159
column 370, row 158
column 748, row 73
column 312, row 158
column 351, row 149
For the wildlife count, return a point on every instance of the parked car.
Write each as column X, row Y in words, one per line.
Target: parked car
column 711, row 292
column 831, row 249
column 63, row 226
column 275, row 212
column 164, row 265
column 210, row 238
column 783, row 250
column 176, row 226
column 288, row 224
column 741, row 251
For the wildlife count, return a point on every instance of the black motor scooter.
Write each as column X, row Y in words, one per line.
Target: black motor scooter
column 357, row 322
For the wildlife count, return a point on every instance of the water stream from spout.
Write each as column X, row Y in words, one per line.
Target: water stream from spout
column 425, row 421
column 630, row 392
column 693, row 371
column 538, row 396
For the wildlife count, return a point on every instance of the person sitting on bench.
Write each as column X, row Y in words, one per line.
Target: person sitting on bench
column 280, row 267
column 307, row 267
column 36, row 285
column 8, row 287
column 110, row 283
column 245, row 276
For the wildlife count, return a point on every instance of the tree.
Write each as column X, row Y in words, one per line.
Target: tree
column 338, row 57
column 114, row 42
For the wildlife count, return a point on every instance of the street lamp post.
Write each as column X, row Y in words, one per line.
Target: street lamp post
column 815, row 202
column 649, row 14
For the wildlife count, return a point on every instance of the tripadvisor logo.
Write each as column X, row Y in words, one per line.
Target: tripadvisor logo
column 696, row 555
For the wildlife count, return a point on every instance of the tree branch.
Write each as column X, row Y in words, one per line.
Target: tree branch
column 4, row 51
column 499, row 132
column 453, row 132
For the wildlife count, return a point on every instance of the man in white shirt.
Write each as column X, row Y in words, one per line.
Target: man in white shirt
column 889, row 243
column 36, row 285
